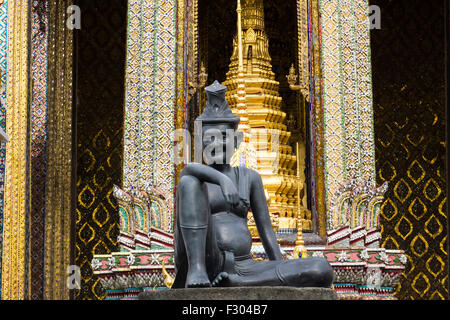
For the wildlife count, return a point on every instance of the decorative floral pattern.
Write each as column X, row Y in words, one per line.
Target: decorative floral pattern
column 342, row 256
column 131, row 259
column 96, row 264
column 365, row 255
column 111, row 262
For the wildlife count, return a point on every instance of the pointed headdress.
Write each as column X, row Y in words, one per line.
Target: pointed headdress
column 217, row 109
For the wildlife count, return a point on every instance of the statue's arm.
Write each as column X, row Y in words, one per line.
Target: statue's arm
column 205, row 173
column 262, row 219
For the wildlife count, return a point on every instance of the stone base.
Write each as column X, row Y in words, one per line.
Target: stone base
column 241, row 293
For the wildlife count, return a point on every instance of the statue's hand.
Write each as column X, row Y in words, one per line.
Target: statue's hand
column 229, row 191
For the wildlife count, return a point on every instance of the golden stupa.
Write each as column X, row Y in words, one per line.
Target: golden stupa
column 253, row 94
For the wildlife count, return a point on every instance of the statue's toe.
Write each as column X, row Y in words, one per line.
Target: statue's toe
column 220, row 277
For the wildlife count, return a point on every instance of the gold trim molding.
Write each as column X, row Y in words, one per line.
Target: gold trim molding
column 14, row 219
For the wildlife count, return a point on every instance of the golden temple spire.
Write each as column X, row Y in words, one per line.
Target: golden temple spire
column 253, row 95
column 239, row 30
column 253, row 14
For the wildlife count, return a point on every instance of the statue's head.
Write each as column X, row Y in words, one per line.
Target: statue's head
column 219, row 127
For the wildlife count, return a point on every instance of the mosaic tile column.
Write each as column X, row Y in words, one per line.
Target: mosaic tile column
column 347, row 99
column 150, row 98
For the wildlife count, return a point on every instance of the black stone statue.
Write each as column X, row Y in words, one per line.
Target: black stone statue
column 212, row 240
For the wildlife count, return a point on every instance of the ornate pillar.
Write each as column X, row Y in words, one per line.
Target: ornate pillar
column 150, row 99
column 14, row 218
column 349, row 162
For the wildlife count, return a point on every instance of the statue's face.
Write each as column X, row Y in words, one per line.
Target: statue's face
column 219, row 143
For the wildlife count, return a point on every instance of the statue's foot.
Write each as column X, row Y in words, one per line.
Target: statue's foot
column 197, row 279
column 224, row 279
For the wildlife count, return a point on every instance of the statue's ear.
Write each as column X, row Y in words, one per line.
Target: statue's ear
column 238, row 138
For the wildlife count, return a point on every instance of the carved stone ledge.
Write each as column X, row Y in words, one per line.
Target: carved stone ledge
column 241, row 293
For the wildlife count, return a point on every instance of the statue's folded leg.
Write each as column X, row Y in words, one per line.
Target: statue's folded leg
column 197, row 243
column 309, row 272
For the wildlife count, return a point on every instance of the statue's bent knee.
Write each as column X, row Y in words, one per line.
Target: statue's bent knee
column 192, row 202
column 321, row 273
column 309, row 272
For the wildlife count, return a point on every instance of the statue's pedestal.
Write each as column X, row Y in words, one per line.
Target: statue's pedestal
column 241, row 293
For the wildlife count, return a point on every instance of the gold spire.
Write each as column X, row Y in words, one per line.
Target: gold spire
column 253, row 94
column 253, row 13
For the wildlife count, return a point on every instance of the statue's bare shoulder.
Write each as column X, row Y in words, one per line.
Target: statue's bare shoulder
column 253, row 175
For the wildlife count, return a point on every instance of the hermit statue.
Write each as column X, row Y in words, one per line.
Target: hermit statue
column 212, row 240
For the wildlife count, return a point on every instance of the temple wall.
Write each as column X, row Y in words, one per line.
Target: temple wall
column 408, row 55
column 37, row 242
column 100, row 76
